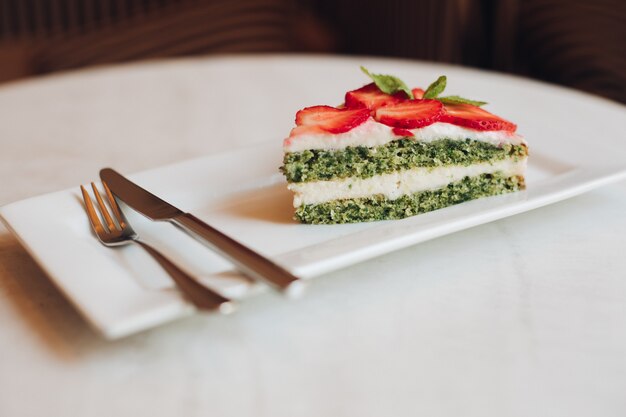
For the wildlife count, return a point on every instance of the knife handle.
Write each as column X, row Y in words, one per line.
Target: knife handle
column 245, row 259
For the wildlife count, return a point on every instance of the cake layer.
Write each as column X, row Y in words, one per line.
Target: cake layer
column 379, row 207
column 396, row 184
column 371, row 133
column 402, row 154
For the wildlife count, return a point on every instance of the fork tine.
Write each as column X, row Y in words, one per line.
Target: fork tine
column 91, row 212
column 113, row 203
column 103, row 208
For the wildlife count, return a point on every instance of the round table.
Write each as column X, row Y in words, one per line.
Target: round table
column 436, row 329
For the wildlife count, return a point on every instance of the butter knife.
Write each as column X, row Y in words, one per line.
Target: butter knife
column 251, row 263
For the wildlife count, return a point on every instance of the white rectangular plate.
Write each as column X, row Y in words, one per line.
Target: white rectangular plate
column 242, row 193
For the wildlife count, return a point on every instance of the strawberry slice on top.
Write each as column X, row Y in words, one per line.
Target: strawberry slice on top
column 410, row 114
column 474, row 117
column 371, row 97
column 418, row 93
column 330, row 119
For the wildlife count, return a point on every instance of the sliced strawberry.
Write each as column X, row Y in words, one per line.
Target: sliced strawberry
column 402, row 132
column 370, row 97
column 474, row 117
column 306, row 130
column 330, row 119
column 410, row 114
column 418, row 93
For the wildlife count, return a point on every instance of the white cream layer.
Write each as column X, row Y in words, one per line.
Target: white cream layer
column 399, row 183
column 371, row 133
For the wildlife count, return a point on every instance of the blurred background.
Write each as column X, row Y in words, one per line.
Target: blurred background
column 577, row 43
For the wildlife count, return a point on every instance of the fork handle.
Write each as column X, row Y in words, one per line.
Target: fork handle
column 202, row 297
column 248, row 261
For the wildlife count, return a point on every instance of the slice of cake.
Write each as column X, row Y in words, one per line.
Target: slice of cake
column 391, row 152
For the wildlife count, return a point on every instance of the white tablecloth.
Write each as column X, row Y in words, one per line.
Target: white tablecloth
column 521, row 317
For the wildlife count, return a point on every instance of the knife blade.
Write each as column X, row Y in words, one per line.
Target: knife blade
column 248, row 261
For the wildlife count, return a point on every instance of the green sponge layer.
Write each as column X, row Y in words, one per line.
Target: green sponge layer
column 380, row 208
column 364, row 162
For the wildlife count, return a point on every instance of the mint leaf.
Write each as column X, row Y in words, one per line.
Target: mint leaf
column 391, row 85
column 388, row 83
column 436, row 88
column 460, row 100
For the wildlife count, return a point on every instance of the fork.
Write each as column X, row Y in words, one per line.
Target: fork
column 119, row 232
